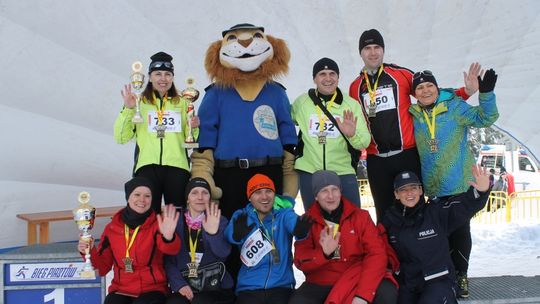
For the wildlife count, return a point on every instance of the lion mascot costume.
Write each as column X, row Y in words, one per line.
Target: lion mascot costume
column 246, row 126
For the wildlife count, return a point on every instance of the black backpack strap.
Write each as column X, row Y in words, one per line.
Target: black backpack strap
column 355, row 154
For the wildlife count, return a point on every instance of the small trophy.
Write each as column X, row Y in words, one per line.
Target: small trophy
column 191, row 94
column 84, row 217
column 137, row 82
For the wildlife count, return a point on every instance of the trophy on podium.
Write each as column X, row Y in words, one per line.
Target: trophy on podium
column 191, row 94
column 137, row 82
column 84, row 217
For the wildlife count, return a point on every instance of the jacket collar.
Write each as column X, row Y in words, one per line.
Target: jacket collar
column 315, row 211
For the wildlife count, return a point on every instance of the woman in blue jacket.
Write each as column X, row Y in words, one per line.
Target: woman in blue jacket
column 418, row 232
column 441, row 123
column 201, row 228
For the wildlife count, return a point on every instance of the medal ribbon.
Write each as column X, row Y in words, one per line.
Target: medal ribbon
column 319, row 111
column 373, row 91
column 430, row 124
column 160, row 109
column 193, row 244
column 268, row 236
column 129, row 242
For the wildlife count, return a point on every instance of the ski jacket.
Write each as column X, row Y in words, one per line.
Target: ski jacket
column 334, row 155
column 146, row 253
column 362, row 253
column 392, row 128
column 419, row 235
column 268, row 274
column 235, row 128
column 150, row 149
column 447, row 171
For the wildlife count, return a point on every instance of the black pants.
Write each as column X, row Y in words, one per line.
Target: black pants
column 154, row 297
column 169, row 182
column 381, row 174
column 437, row 291
column 309, row 293
column 208, row 297
column 233, row 182
column 460, row 247
column 264, row 296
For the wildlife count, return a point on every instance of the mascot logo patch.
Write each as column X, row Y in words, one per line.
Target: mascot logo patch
column 264, row 121
column 245, row 50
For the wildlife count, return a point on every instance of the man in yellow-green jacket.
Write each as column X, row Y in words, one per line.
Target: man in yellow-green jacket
column 323, row 143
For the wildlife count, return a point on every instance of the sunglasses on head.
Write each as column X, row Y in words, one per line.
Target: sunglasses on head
column 422, row 73
column 158, row 64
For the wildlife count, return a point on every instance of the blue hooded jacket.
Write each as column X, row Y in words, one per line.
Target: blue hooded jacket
column 267, row 274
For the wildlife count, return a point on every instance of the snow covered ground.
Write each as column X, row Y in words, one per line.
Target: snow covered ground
column 505, row 249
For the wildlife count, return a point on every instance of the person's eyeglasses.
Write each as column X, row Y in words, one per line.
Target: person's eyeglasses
column 422, row 73
column 158, row 64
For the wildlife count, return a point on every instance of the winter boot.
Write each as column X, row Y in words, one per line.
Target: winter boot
column 463, row 285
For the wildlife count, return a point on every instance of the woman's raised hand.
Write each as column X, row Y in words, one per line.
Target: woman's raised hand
column 129, row 97
column 167, row 221
column 481, row 178
column 211, row 220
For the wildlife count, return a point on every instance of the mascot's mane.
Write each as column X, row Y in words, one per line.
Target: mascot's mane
column 269, row 70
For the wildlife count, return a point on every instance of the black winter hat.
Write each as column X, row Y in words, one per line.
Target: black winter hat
column 242, row 26
column 197, row 182
column 161, row 62
column 325, row 64
column 135, row 182
column 406, row 178
column 421, row 77
column 371, row 36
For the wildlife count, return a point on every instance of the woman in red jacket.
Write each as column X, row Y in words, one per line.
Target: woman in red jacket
column 134, row 242
column 343, row 257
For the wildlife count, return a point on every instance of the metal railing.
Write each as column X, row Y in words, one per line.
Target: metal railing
column 501, row 208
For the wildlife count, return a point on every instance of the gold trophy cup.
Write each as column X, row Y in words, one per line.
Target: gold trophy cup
column 84, row 217
column 191, row 94
column 137, row 83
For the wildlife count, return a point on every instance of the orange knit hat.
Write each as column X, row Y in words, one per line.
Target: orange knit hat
column 259, row 181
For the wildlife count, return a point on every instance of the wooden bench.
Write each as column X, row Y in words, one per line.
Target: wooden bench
column 42, row 220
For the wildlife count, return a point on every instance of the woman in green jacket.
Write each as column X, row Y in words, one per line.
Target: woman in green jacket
column 159, row 152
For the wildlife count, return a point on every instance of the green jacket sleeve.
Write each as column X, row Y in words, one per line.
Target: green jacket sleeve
column 124, row 129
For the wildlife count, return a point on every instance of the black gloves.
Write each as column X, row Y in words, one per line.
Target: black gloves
column 488, row 83
column 302, row 227
column 241, row 228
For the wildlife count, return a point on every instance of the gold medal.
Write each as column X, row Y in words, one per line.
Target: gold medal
column 160, row 131
column 372, row 110
column 128, row 264
column 433, row 147
column 337, row 254
column 192, row 270
column 275, row 255
column 322, row 137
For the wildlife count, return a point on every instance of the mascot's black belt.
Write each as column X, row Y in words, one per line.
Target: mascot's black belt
column 244, row 163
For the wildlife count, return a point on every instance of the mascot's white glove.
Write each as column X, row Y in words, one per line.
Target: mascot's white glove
column 202, row 165
column 290, row 176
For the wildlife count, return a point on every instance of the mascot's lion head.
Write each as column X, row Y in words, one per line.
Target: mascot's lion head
column 246, row 53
